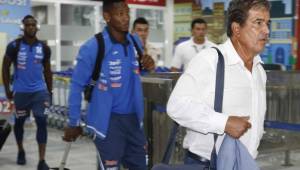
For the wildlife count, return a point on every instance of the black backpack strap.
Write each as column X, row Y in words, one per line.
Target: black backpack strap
column 100, row 56
column 139, row 51
column 97, row 68
column 16, row 50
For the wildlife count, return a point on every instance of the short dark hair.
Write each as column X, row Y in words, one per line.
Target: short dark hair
column 28, row 17
column 198, row 21
column 140, row 20
column 107, row 4
column 238, row 11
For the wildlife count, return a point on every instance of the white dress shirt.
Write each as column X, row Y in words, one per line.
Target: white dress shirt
column 186, row 50
column 191, row 102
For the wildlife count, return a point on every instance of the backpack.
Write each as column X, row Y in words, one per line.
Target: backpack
column 88, row 89
column 46, row 51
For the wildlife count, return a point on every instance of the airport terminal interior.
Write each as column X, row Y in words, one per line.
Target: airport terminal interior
column 66, row 24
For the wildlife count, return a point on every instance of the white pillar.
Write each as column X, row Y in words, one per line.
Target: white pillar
column 58, row 36
column 169, row 30
column 97, row 18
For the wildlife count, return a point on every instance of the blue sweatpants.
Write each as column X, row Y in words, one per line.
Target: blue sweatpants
column 125, row 143
column 35, row 102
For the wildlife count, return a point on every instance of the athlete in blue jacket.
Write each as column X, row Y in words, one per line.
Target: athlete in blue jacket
column 115, row 112
column 32, row 85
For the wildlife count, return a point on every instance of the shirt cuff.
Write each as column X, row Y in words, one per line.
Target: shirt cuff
column 218, row 122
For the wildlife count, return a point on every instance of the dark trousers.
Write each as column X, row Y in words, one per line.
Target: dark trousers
column 191, row 158
column 25, row 102
column 125, row 143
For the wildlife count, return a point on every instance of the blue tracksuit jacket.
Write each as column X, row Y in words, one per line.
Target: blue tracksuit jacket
column 99, row 109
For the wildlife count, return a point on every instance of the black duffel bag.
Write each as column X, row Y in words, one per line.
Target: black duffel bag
column 5, row 129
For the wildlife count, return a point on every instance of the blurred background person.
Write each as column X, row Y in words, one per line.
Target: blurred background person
column 185, row 51
column 141, row 28
column 32, row 85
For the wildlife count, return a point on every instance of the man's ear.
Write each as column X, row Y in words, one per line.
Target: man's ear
column 106, row 17
column 235, row 27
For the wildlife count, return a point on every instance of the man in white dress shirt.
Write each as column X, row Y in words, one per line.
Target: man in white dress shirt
column 186, row 50
column 244, row 103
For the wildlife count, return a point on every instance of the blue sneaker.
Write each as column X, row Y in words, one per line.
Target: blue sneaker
column 42, row 165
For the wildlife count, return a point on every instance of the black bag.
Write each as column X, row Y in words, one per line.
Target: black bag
column 5, row 129
column 88, row 89
column 219, row 88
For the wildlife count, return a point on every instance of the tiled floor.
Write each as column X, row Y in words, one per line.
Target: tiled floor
column 83, row 157
column 274, row 161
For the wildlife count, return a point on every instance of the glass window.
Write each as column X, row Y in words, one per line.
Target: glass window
column 43, row 12
column 77, row 25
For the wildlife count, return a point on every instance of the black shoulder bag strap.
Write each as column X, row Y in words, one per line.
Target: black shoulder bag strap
column 139, row 51
column 16, row 50
column 219, row 89
column 95, row 75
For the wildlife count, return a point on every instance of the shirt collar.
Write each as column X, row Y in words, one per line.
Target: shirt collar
column 24, row 41
column 233, row 56
column 113, row 40
column 193, row 43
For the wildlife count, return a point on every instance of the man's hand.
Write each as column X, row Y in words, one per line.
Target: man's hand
column 72, row 133
column 236, row 126
column 147, row 62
